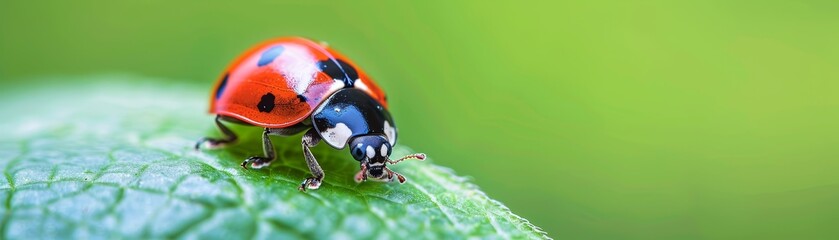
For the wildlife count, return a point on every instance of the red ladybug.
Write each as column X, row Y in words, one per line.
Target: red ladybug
column 293, row 85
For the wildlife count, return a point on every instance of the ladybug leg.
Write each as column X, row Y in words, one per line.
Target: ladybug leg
column 310, row 139
column 258, row 162
column 229, row 137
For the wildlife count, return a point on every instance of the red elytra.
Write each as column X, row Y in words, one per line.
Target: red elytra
column 295, row 73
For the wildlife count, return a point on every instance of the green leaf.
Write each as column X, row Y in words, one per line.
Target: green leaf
column 110, row 159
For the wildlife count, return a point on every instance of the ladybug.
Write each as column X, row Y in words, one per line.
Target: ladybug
column 293, row 85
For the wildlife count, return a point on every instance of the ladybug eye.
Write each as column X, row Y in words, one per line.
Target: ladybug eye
column 357, row 153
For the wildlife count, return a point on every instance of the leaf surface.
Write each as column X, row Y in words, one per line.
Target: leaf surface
column 110, row 159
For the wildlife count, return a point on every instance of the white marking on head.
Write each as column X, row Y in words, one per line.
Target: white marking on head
column 376, row 164
column 370, row 152
column 384, row 150
column 390, row 132
column 361, row 85
column 338, row 135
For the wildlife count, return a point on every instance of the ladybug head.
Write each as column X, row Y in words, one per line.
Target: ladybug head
column 373, row 151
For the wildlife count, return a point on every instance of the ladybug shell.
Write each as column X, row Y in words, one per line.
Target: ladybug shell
column 280, row 82
column 349, row 113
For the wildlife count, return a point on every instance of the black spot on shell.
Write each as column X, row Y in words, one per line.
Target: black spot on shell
column 340, row 70
column 221, row 86
column 266, row 104
column 269, row 55
column 301, row 97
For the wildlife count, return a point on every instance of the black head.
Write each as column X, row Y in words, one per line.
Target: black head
column 373, row 151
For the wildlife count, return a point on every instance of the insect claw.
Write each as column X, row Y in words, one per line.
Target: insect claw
column 399, row 177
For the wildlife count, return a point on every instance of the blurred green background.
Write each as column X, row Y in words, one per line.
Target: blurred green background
column 592, row 119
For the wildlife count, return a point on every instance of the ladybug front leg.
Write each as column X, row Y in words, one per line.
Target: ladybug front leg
column 258, row 162
column 229, row 137
column 310, row 139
